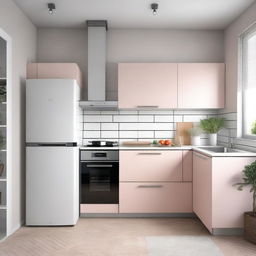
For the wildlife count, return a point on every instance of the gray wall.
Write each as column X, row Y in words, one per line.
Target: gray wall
column 23, row 35
column 131, row 45
column 2, row 57
column 232, row 34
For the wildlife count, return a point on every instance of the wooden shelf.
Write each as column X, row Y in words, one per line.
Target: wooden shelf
column 3, row 207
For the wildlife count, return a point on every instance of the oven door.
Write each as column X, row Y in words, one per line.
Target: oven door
column 99, row 183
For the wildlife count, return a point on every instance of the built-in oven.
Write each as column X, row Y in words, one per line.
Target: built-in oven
column 99, row 177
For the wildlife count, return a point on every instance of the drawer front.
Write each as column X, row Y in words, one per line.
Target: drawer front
column 155, row 197
column 149, row 165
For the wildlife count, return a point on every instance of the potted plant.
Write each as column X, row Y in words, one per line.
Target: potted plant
column 212, row 126
column 195, row 133
column 253, row 130
column 250, row 217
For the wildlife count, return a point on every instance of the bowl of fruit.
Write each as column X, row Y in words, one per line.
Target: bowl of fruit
column 163, row 143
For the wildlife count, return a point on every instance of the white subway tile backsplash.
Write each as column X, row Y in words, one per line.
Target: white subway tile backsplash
column 128, row 126
column 178, row 118
column 145, row 118
column 145, row 134
column 193, row 118
column 156, row 112
column 128, row 112
column 128, row 134
column 163, row 119
column 91, row 126
column 109, row 134
column 109, row 126
column 155, row 126
column 135, row 125
column 125, row 118
column 97, row 118
column 91, row 134
column 164, row 134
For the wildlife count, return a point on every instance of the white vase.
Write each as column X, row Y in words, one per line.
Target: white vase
column 195, row 141
column 213, row 139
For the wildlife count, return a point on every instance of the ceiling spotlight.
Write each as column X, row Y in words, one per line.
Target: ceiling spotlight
column 154, row 8
column 51, row 7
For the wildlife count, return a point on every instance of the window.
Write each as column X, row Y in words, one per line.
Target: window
column 248, row 83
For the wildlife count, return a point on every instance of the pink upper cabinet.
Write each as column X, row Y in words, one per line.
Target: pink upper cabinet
column 201, row 85
column 150, row 165
column 147, row 85
column 54, row 70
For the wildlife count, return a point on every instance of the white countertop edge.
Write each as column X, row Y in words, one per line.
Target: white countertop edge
column 187, row 147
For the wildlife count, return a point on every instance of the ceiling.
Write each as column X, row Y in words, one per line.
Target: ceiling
column 175, row 14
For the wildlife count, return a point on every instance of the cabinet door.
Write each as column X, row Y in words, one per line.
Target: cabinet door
column 187, row 166
column 146, row 165
column 160, row 197
column 202, row 188
column 201, row 85
column 147, row 85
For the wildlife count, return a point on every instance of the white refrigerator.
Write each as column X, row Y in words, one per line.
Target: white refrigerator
column 52, row 154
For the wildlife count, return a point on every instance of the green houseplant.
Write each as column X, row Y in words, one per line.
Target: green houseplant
column 249, row 180
column 212, row 126
column 253, row 130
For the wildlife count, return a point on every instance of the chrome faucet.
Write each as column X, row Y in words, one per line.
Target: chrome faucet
column 231, row 140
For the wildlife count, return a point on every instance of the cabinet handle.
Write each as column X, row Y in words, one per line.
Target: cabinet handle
column 201, row 156
column 150, row 186
column 156, row 154
column 99, row 166
column 147, row 106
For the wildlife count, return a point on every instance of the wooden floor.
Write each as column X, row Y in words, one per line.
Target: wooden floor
column 112, row 237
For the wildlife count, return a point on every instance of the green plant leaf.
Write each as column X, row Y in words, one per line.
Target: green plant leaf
column 212, row 125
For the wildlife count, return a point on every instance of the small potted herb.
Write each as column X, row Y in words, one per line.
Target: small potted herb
column 212, row 126
column 195, row 133
column 249, row 217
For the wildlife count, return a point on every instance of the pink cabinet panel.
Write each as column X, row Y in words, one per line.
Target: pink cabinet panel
column 201, row 85
column 150, row 165
column 229, row 204
column 160, row 197
column 54, row 70
column 187, row 165
column 99, row 208
column 202, row 188
column 147, row 85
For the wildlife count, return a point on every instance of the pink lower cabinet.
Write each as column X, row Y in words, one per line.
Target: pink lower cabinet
column 155, row 197
column 218, row 204
column 187, row 165
column 150, row 165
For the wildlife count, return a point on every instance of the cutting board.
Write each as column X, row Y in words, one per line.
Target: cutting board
column 182, row 132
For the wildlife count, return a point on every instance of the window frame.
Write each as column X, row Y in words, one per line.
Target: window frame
column 251, row 31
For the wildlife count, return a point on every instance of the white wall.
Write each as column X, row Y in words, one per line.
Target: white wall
column 232, row 34
column 131, row 45
column 23, row 35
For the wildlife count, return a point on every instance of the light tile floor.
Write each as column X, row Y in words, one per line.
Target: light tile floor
column 112, row 237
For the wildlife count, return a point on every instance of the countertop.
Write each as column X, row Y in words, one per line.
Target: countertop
column 240, row 153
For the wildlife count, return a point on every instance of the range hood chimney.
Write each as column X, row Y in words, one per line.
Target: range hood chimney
column 97, row 30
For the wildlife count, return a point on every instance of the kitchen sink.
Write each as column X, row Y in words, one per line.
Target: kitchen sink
column 221, row 149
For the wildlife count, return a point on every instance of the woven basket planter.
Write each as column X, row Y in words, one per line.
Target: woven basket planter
column 250, row 227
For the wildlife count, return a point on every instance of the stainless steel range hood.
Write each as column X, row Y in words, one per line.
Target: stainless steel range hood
column 97, row 68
